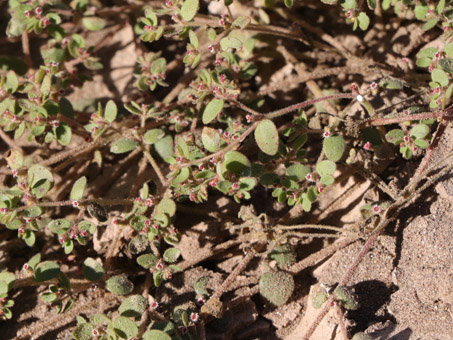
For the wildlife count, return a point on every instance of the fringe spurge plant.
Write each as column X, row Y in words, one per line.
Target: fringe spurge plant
column 206, row 134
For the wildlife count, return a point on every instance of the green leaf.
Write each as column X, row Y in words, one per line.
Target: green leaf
column 423, row 62
column 125, row 328
column 46, row 270
column 83, row 331
column 123, row 145
column 93, row 23
column 440, row 6
column 421, row 143
column 92, row 269
column 193, row 39
column 164, row 147
column 171, row 255
column 289, row 3
column 147, row 260
column 78, row 188
column 189, row 9
column 327, row 180
column 334, row 148
column 266, row 136
column 63, row 134
column 210, row 138
column 201, row 284
column 133, row 306
column 166, row 206
column 110, row 111
column 230, row 42
column 34, row 261
column 448, row 49
column 12, row 83
column 119, row 285
column 428, row 52
column 371, row 4
column 439, row 76
column 394, row 136
column 37, row 173
column 236, row 162
column 446, row 64
column 420, row 131
column 212, row 110
column 431, row 23
column 8, row 279
column 241, row 22
column 348, row 4
column 325, row 167
column 153, row 136
column 155, row 334
column 59, row 226
column 391, row 84
column 364, row 21
column 297, row 172
column 421, row 10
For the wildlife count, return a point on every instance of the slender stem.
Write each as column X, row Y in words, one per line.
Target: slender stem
column 154, row 165
column 418, row 116
column 82, row 201
column 310, row 226
column 26, row 50
column 286, row 110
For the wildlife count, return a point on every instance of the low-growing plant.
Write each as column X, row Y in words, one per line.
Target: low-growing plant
column 205, row 134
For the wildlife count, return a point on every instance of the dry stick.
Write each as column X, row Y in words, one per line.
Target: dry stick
column 10, row 142
column 229, row 280
column 154, row 165
column 340, row 317
column 26, row 50
column 74, row 152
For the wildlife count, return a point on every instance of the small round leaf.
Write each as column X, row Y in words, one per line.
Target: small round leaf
column 210, row 138
column 212, row 110
column 125, row 328
column 92, row 269
column 325, row 167
column 119, row 285
column 133, row 306
column 83, row 331
column 266, row 136
column 236, row 162
column 46, row 270
column 171, row 255
column 334, row 148
column 154, row 135
column 297, row 172
column 123, row 145
column 155, row 334
column 276, row 287
column 78, row 188
column 189, row 9
column 110, row 111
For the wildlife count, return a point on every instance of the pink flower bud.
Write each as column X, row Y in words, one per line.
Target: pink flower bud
column 154, row 305
column 376, row 209
column 309, row 177
column 149, row 202
column 367, row 146
column 194, row 317
column 75, row 204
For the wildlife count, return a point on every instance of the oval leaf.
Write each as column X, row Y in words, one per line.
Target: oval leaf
column 155, row 334
column 133, row 306
column 110, row 111
column 266, row 136
column 212, row 110
column 171, row 255
column 189, row 9
column 210, row 138
column 334, row 148
column 46, row 270
column 78, row 188
column 154, row 135
column 92, row 269
column 123, row 145
column 119, row 285
column 125, row 328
